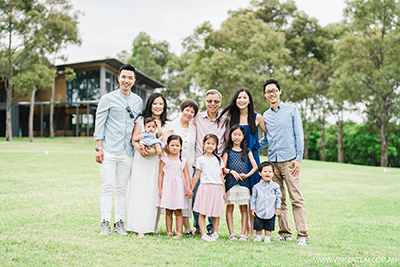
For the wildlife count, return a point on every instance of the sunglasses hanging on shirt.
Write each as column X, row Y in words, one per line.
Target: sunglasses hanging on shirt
column 130, row 112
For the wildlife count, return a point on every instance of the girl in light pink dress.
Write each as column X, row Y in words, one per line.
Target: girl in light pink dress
column 171, row 187
column 211, row 193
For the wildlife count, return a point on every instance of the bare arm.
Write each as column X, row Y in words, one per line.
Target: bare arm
column 144, row 151
column 160, row 178
column 253, row 164
column 225, row 161
column 164, row 139
column 261, row 123
column 135, row 142
column 223, row 183
column 189, row 192
column 159, row 129
column 195, row 179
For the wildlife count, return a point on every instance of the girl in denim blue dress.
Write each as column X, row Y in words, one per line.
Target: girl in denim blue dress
column 237, row 182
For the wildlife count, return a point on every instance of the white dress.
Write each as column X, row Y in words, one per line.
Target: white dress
column 188, row 136
column 142, row 215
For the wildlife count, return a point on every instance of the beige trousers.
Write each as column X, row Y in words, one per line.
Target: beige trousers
column 283, row 176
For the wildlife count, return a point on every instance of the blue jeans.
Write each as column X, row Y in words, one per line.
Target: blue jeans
column 196, row 214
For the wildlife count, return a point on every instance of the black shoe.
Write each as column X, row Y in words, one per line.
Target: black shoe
column 189, row 234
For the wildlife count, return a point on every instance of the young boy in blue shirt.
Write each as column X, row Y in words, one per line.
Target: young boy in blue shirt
column 265, row 202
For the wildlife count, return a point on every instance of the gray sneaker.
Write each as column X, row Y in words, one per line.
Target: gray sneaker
column 282, row 238
column 105, row 228
column 119, row 228
column 302, row 241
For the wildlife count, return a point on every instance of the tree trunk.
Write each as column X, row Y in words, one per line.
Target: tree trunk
column 8, row 115
column 52, row 105
column 384, row 151
column 322, row 151
column 8, row 106
column 31, row 112
column 340, row 125
column 306, row 144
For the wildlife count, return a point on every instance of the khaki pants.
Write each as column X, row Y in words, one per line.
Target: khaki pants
column 283, row 176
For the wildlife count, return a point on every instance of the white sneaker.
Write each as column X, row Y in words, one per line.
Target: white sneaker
column 267, row 240
column 302, row 241
column 214, row 236
column 207, row 238
column 257, row 239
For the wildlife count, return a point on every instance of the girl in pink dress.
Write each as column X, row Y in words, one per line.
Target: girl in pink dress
column 211, row 193
column 171, row 187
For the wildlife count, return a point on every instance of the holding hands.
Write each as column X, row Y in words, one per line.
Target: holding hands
column 189, row 193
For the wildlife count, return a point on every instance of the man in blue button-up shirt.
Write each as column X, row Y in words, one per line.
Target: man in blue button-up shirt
column 115, row 118
column 285, row 150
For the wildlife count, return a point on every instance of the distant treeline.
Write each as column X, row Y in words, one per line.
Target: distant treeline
column 361, row 144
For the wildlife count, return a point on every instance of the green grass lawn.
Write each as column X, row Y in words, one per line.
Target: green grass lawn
column 50, row 215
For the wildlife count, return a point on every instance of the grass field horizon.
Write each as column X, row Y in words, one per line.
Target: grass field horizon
column 50, row 207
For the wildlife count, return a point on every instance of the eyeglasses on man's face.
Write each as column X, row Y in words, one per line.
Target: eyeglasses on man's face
column 209, row 101
column 270, row 92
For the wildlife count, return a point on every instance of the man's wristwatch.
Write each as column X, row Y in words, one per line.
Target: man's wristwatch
column 98, row 149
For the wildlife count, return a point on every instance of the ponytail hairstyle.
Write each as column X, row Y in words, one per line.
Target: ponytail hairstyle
column 229, row 143
column 175, row 137
column 215, row 152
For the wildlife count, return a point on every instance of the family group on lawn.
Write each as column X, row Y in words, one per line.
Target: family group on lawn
column 199, row 162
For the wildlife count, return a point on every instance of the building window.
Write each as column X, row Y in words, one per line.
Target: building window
column 86, row 86
column 2, row 95
column 111, row 82
column 140, row 92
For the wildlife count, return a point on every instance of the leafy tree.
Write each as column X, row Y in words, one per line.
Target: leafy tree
column 277, row 14
column 308, row 61
column 17, row 18
column 34, row 27
column 149, row 56
column 179, row 85
column 27, row 82
column 370, row 57
column 59, row 29
column 361, row 144
column 243, row 53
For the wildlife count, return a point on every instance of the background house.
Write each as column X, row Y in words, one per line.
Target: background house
column 76, row 101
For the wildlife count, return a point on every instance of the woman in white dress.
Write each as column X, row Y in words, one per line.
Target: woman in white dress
column 187, row 131
column 142, row 194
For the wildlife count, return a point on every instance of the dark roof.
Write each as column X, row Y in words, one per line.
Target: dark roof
column 116, row 64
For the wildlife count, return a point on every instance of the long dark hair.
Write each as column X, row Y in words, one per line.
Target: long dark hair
column 175, row 137
column 215, row 152
column 234, row 112
column 147, row 109
column 229, row 143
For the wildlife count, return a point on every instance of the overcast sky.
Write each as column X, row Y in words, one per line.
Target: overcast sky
column 108, row 27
